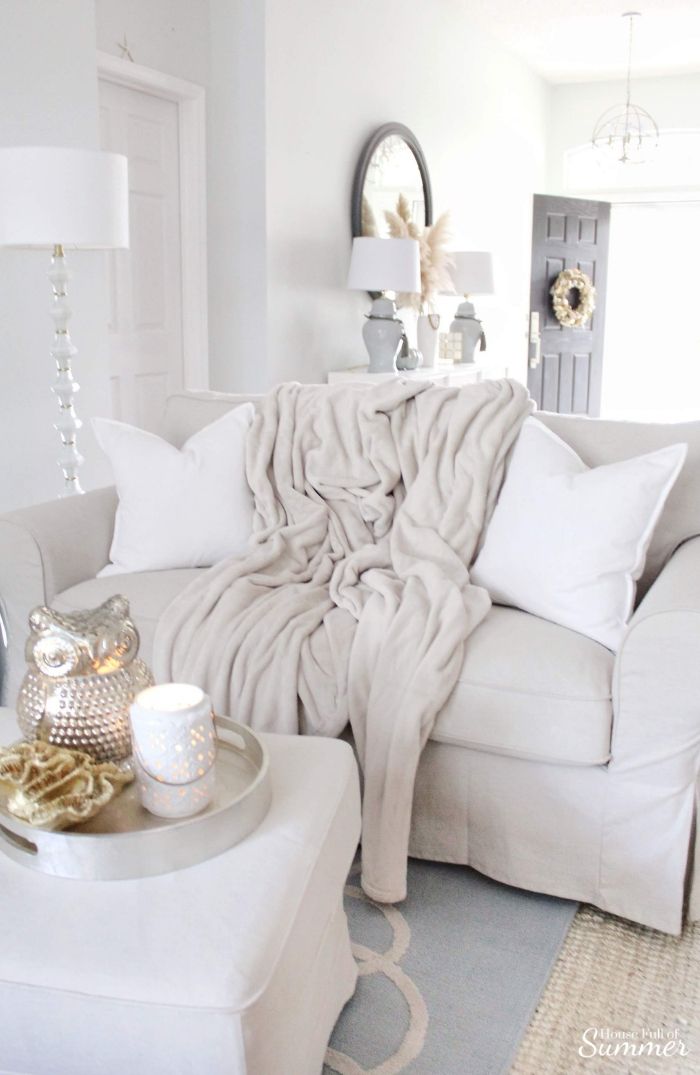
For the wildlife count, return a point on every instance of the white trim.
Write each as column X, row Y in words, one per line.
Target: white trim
column 190, row 99
column 640, row 197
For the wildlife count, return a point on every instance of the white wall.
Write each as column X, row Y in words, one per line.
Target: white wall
column 674, row 102
column 168, row 35
column 219, row 44
column 48, row 95
column 480, row 115
column 293, row 92
column 237, row 204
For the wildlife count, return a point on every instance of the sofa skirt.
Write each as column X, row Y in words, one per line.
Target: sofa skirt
column 588, row 833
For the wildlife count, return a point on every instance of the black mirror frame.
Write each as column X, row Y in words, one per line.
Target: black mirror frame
column 363, row 164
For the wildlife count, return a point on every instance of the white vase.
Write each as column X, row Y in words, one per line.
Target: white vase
column 427, row 332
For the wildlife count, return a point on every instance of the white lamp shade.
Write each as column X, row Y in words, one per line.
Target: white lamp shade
column 385, row 265
column 73, row 197
column 472, row 273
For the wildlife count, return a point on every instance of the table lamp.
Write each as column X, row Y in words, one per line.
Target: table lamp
column 472, row 273
column 384, row 265
column 53, row 197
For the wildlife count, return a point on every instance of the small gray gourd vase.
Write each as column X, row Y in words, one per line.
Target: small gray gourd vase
column 408, row 357
column 83, row 675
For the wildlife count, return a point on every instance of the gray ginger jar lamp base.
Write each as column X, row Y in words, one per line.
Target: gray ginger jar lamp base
column 382, row 332
column 467, row 324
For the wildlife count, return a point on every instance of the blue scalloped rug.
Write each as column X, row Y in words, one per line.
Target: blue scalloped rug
column 449, row 979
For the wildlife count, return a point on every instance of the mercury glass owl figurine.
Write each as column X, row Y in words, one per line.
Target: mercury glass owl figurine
column 83, row 675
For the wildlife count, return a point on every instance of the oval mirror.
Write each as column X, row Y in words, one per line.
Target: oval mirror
column 391, row 163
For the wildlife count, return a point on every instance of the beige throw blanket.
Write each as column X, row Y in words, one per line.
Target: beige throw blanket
column 355, row 601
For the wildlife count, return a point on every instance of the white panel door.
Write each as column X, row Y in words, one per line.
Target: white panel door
column 145, row 282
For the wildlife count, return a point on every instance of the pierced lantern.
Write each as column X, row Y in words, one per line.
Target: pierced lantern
column 174, row 749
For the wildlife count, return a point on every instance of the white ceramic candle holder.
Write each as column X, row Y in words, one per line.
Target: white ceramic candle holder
column 174, row 743
column 175, row 800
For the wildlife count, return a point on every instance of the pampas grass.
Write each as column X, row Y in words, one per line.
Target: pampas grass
column 369, row 221
column 435, row 262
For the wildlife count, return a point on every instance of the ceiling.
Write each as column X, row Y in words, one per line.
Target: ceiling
column 587, row 40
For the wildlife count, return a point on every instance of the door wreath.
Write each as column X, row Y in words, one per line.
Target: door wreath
column 566, row 314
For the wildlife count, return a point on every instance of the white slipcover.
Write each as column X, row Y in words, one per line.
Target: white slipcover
column 553, row 772
column 148, row 593
column 238, row 966
column 527, row 687
column 531, row 689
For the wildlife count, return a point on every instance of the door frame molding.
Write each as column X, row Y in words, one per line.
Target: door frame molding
column 190, row 99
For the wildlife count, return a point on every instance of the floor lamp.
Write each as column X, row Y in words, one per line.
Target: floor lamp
column 57, row 198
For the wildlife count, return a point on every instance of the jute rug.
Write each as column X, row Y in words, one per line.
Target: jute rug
column 621, row 998
column 449, row 978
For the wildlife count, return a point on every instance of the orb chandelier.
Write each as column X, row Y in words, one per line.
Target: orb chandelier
column 626, row 133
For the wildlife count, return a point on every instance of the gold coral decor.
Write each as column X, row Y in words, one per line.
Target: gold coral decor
column 567, row 281
column 53, row 787
column 82, row 677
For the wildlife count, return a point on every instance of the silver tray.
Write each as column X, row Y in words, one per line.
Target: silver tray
column 125, row 841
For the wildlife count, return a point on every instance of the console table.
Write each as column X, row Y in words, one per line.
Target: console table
column 443, row 373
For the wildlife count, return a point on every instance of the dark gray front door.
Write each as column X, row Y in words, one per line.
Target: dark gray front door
column 565, row 365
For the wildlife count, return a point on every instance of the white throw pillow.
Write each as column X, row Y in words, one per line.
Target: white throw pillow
column 567, row 542
column 179, row 507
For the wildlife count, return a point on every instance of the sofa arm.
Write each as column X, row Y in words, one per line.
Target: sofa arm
column 656, row 682
column 656, row 704
column 44, row 550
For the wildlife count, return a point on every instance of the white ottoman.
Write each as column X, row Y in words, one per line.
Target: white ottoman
column 239, row 966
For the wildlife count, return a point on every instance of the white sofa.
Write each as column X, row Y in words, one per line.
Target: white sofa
column 556, row 765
